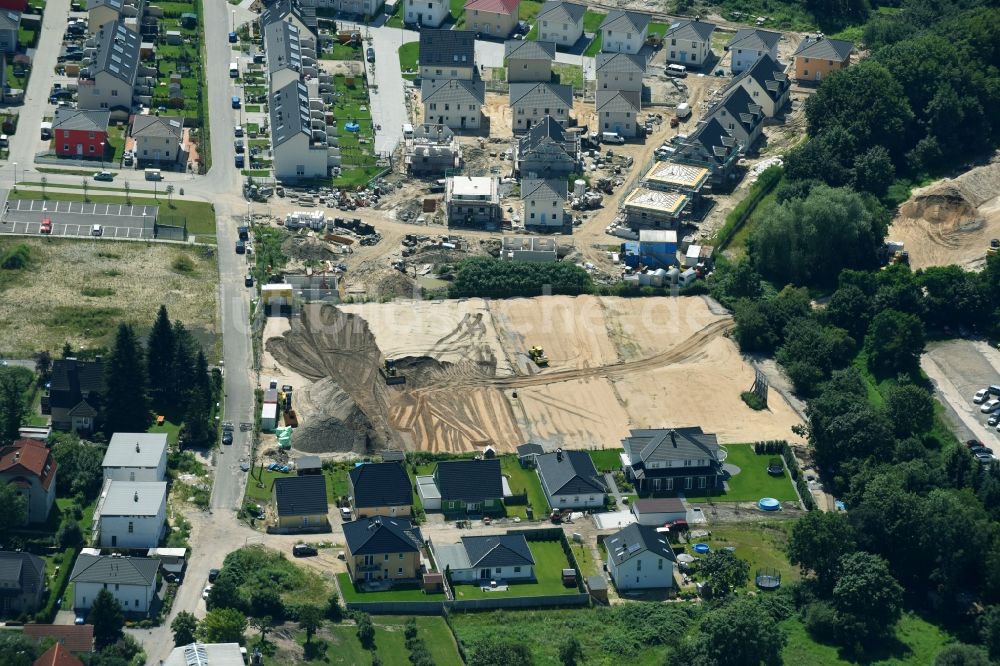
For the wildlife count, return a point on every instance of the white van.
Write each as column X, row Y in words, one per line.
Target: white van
column 612, row 137
column 234, row 70
column 153, row 174
column 679, row 71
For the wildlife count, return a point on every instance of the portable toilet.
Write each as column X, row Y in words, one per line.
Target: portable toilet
column 686, row 278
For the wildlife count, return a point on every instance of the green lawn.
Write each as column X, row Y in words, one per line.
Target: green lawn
column 355, row 176
column 261, row 493
column 550, row 560
column 753, row 482
column 168, row 427
column 761, row 544
column 585, row 559
column 252, row 108
column 569, row 75
column 917, row 644
column 396, row 20
column 595, row 46
column 351, row 593
column 409, row 55
column 529, row 9
column 607, row 460
column 343, row 52
column 457, row 8
column 738, row 244
column 591, row 23
column 524, row 479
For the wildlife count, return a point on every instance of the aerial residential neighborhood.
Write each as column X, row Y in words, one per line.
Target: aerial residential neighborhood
column 499, row 332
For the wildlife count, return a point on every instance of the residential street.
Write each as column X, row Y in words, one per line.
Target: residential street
column 388, row 100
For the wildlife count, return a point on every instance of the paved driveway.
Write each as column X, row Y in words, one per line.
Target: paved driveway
column 388, row 100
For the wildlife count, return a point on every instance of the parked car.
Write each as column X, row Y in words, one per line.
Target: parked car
column 232, row 38
column 370, row 54
column 240, row 161
column 973, row 442
column 248, row 280
column 104, row 175
column 46, row 227
column 985, row 458
column 978, row 449
column 204, row 593
column 227, row 437
column 238, row 130
column 236, row 102
column 303, row 550
column 128, row 157
column 990, row 405
column 238, row 144
column 97, row 230
column 243, row 232
column 345, row 513
column 241, row 247
column 994, row 419
column 212, row 575
column 981, row 396
column 81, row 617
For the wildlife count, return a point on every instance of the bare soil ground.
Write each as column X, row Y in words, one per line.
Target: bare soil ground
column 77, row 291
column 952, row 220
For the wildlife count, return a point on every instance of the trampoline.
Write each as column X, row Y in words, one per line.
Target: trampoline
column 701, row 548
column 768, row 579
column 769, row 504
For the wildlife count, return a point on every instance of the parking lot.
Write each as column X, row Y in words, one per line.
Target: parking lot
column 73, row 218
column 959, row 368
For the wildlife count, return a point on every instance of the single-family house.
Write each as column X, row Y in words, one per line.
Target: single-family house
column 658, row 511
column 74, row 637
column 131, row 515
column 620, row 71
column 570, row 480
column 748, row 45
column 469, row 486
column 547, row 151
column 206, row 654
column 816, row 57
column 455, row 103
column 740, row 116
column 473, row 201
column 528, row 453
column 618, row 111
column 100, row 12
column 10, row 23
column 76, row 389
column 22, row 583
column 543, row 200
column 80, row 133
column 688, row 42
column 425, row 13
column 109, row 82
column 291, row 11
column 768, row 84
column 357, row 8
column 28, row 465
column 624, row 31
column 640, row 558
column 530, row 103
column 711, row 146
column 673, row 460
column 381, row 548
column 57, row 655
column 432, row 150
column 291, row 54
column 528, row 60
column 300, row 503
column 299, row 135
column 447, row 54
column 136, row 456
column 658, row 209
column 560, row 22
column 492, row 18
column 483, row 559
column 130, row 580
column 380, row 489
column 159, row 140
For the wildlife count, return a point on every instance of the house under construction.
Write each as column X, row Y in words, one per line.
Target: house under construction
column 432, row 150
column 646, row 208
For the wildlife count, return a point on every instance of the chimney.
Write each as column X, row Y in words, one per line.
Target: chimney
column 137, row 447
column 673, row 437
column 135, row 498
column 559, row 454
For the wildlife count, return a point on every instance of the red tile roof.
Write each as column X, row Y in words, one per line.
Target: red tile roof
column 76, row 638
column 28, row 455
column 58, row 655
column 495, row 6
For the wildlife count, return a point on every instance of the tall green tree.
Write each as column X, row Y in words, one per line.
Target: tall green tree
column 310, row 619
column 894, row 343
column 222, row 625
column 867, row 599
column 366, row 631
column 740, row 633
column 570, row 652
column 16, row 649
column 43, row 364
column 160, row 349
column 817, row 542
column 12, row 407
column 183, row 366
column 910, row 409
column 725, row 572
column 184, row 626
column 107, row 617
column 15, row 507
column 126, row 402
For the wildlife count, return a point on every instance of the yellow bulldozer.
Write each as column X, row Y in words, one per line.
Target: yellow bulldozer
column 537, row 354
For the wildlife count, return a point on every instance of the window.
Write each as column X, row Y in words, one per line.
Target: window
column 65, row 146
column 90, row 135
column 545, row 24
column 116, row 587
column 386, row 556
column 517, row 569
column 454, row 72
column 131, row 527
column 687, row 463
column 114, row 93
column 638, row 565
column 498, row 570
column 401, row 556
column 660, row 563
column 701, row 482
column 807, row 61
column 687, row 483
column 673, row 42
column 805, row 72
column 136, row 603
column 399, row 571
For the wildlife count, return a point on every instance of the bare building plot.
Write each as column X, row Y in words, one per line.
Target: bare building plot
column 521, row 248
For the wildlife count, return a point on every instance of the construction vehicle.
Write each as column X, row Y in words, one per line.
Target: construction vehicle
column 391, row 374
column 291, row 419
column 537, row 354
column 994, row 247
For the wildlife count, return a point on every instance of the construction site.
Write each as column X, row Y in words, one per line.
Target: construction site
column 455, row 376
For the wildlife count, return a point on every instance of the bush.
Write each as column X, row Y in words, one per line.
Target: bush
column 820, row 621
column 503, row 279
column 183, row 264
column 753, row 400
column 17, row 258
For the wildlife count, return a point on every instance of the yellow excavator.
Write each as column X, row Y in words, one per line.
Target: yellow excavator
column 537, row 354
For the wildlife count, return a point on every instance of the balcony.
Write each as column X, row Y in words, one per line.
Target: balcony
column 366, row 568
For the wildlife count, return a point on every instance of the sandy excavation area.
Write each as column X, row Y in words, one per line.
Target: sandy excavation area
column 614, row 364
column 952, row 220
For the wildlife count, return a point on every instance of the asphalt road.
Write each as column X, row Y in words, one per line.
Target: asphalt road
column 388, row 101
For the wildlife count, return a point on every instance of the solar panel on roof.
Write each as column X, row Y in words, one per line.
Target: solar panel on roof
column 634, row 548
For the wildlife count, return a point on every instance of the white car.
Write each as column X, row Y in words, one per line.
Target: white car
column 208, row 588
column 990, row 405
column 981, row 396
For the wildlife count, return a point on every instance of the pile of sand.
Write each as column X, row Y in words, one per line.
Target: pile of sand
column 307, row 248
column 331, row 420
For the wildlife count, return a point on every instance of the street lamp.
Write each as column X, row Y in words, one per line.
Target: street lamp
column 102, row 156
column 234, row 20
column 15, row 176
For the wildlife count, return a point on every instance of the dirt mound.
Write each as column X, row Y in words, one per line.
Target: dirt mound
column 332, row 421
column 307, row 248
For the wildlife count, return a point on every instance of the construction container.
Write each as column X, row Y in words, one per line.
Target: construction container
column 269, row 417
column 270, row 396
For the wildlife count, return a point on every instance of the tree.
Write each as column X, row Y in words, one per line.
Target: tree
column 867, row 598
column 86, row 184
column 126, row 401
column 910, row 409
column 12, row 405
column 989, row 630
column 334, row 611
column 107, row 617
column 43, row 364
column 741, row 633
column 69, row 534
column 67, row 350
column 894, row 343
column 184, row 627
column 80, row 466
column 15, row 508
column 224, row 593
column 850, row 309
column 170, row 195
column 725, row 572
column 812, row 351
column 160, row 360
column 266, row 601
column 310, row 619
column 960, row 654
column 494, row 651
column 16, row 649
column 222, row 625
column 874, row 171
column 817, row 542
column 366, row 631
column 571, row 652
column 261, row 624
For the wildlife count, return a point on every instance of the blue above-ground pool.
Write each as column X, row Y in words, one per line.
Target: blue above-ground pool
column 769, row 504
column 701, row 548
column 352, row 127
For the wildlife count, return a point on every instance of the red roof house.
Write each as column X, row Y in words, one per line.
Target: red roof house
column 74, row 637
column 58, row 655
column 494, row 18
column 29, row 465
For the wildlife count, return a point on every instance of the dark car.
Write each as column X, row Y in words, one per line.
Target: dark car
column 232, row 38
column 240, row 161
column 973, row 442
column 302, row 550
column 371, row 54
column 244, row 233
column 241, row 247
column 248, row 280
column 213, row 574
column 227, row 437
column 238, row 144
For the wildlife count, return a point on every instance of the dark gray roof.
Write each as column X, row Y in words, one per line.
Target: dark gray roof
column 541, row 95
column 289, row 111
column 739, row 105
column 469, row 480
column 283, row 46
column 447, row 47
column 453, row 91
column 542, row 187
column 663, row 444
column 573, row 11
column 524, row 49
column 374, row 536
column 308, row 462
column 617, row 101
column 659, row 505
column 73, row 381
column 21, row 571
column 113, row 4
column 164, row 127
column 66, row 118
column 300, row 495
column 769, row 74
column 501, row 550
column 617, row 63
column 530, row 449
column 569, row 473
column 117, row 53
column 546, row 130
column 9, row 19
column 636, row 539
column 697, row 31
column 710, row 142
column 754, row 39
column 108, row 569
column 381, row 484
column 283, row 9
column 824, row 48
column 623, row 20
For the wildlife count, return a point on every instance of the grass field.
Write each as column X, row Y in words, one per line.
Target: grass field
column 457, row 8
column 524, row 479
column 761, row 544
column 591, row 23
column 261, row 493
column 409, row 55
column 550, row 560
column 351, row 593
column 607, row 460
column 917, row 644
column 569, row 75
column 753, row 482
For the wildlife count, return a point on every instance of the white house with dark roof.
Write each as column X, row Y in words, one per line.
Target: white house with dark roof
column 492, row 18
column 768, row 84
column 748, row 45
column 528, row 60
column 640, row 558
column 624, row 31
column 159, row 140
column 291, row 53
column 299, row 134
column 688, row 42
column 425, row 13
column 543, row 202
column 131, row 515
column 560, row 22
column 206, row 654
column 130, row 580
column 547, row 151
column 455, row 103
column 500, row 557
column 658, row 511
column 711, row 146
column 113, row 78
column 290, row 11
column 618, row 111
column 10, row 22
column 530, row 103
column 672, row 460
column 447, row 54
column 740, row 115
column 570, row 480
column 136, row 456
column 620, row 71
